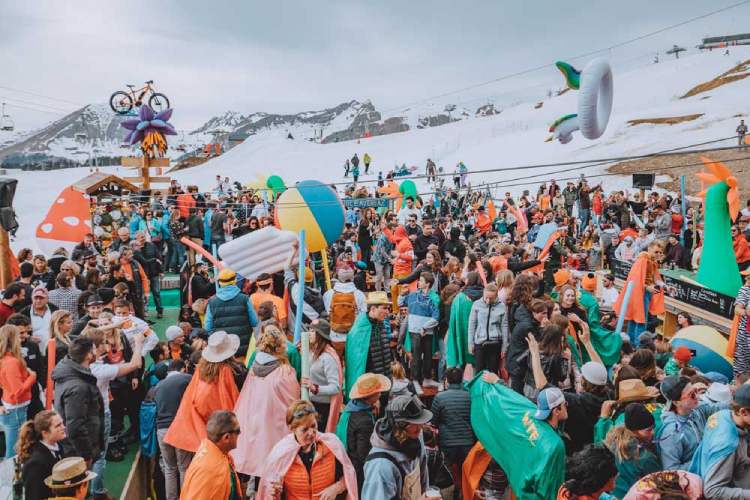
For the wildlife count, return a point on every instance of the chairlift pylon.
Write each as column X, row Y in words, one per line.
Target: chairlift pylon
column 6, row 122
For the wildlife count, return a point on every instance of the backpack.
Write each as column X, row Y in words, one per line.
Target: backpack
column 343, row 311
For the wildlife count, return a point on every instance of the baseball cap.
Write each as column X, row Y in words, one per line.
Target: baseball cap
column 173, row 332
column 408, row 408
column 93, row 300
column 595, row 373
column 672, row 387
column 39, row 291
column 548, row 400
column 646, row 339
column 717, row 393
column 742, row 396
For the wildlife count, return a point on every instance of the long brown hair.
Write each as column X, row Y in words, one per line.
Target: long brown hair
column 522, row 290
column 10, row 342
column 623, row 443
column 320, row 344
column 209, row 372
column 31, row 433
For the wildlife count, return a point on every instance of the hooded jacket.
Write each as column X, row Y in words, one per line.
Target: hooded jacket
column 231, row 311
column 383, row 479
column 79, row 403
column 454, row 245
column 488, row 323
column 680, row 435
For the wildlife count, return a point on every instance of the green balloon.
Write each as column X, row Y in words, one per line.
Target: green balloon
column 276, row 184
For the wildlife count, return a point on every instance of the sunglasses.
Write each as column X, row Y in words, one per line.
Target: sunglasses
column 303, row 412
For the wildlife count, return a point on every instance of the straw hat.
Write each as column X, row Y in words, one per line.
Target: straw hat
column 69, row 472
column 221, row 346
column 227, row 277
column 368, row 384
column 377, row 299
column 635, row 390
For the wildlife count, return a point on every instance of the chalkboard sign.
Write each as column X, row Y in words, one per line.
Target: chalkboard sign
column 703, row 298
column 689, row 293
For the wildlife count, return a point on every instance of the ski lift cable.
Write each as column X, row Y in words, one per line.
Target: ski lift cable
column 22, row 101
column 579, row 56
column 35, row 94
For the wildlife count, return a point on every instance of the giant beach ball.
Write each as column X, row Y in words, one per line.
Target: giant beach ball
column 314, row 207
column 708, row 347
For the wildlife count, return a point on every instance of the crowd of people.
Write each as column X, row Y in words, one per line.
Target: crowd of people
column 423, row 297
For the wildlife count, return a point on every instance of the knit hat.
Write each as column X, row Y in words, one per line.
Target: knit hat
column 173, row 332
column 742, row 396
column 683, row 354
column 308, row 275
column 588, row 282
column 561, row 277
column 638, row 418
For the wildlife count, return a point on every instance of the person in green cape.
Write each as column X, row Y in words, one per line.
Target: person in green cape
column 606, row 342
column 357, row 421
column 457, row 340
column 367, row 344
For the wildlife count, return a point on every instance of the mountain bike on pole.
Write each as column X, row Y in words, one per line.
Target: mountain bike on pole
column 122, row 102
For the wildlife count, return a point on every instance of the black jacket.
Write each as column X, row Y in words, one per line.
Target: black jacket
column 37, row 468
column 150, row 258
column 361, row 426
column 201, row 287
column 451, row 414
column 422, row 243
column 454, row 245
column 583, row 412
column 79, row 403
column 195, row 226
column 522, row 322
column 379, row 355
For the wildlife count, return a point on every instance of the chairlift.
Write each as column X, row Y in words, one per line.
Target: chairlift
column 6, row 122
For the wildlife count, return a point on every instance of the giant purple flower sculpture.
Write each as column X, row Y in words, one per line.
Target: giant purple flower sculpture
column 149, row 129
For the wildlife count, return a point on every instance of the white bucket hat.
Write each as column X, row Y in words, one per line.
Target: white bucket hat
column 221, row 346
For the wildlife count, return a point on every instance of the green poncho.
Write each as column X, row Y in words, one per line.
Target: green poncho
column 457, row 340
column 606, row 342
column 357, row 347
column 530, row 451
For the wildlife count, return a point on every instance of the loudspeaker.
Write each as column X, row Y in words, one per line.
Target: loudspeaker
column 643, row 181
column 7, row 193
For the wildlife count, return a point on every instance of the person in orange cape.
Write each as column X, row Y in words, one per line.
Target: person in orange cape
column 403, row 259
column 483, row 222
column 211, row 475
column 475, row 465
column 271, row 386
column 647, row 296
column 285, row 474
column 212, row 388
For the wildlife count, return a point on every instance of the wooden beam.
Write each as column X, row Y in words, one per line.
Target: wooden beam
column 131, row 161
column 161, row 179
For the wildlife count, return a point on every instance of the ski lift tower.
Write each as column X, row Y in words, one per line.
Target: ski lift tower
column 6, row 122
column 676, row 51
column 81, row 140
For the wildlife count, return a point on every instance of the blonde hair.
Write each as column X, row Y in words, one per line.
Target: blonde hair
column 504, row 278
column 272, row 342
column 298, row 412
column 620, row 441
column 10, row 342
column 397, row 371
column 54, row 325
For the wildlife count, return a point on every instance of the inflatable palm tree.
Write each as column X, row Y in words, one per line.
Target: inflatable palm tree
column 721, row 203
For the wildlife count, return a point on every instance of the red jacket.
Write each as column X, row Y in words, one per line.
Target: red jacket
column 15, row 380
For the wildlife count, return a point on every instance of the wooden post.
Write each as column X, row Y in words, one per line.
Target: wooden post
column 5, row 273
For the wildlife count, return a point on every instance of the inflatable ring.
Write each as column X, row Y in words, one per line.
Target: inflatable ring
column 595, row 84
column 595, row 99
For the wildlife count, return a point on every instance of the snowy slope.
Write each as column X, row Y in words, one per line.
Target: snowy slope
column 513, row 138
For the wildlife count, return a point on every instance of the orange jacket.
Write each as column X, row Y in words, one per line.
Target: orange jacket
column 15, row 380
column 405, row 251
column 259, row 297
column 209, row 474
column 741, row 249
column 301, row 485
column 474, row 467
column 483, row 223
column 128, row 270
column 185, row 202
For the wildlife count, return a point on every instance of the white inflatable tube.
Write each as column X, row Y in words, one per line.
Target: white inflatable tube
column 595, row 98
column 264, row 251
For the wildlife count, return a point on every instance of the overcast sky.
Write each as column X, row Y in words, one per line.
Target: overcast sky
column 291, row 56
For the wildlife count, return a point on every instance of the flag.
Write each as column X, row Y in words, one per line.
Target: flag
column 530, row 451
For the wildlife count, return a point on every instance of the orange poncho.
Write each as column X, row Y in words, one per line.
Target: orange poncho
column 638, row 274
column 200, row 400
